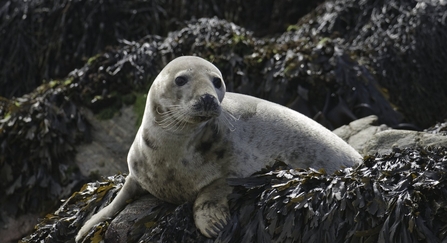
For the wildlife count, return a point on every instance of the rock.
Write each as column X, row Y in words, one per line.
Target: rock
column 131, row 217
column 14, row 228
column 398, row 197
column 384, row 142
column 369, row 138
column 111, row 140
column 358, row 132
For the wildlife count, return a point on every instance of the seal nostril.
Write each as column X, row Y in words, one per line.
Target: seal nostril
column 208, row 101
column 207, row 98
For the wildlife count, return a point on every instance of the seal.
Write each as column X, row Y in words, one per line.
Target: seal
column 194, row 135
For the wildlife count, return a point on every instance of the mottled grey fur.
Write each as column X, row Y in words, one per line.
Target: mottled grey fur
column 184, row 151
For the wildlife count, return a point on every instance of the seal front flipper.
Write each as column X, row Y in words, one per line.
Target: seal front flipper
column 130, row 189
column 211, row 211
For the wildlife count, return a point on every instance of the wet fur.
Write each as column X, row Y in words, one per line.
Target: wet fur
column 182, row 153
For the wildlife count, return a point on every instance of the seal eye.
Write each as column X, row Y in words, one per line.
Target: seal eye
column 180, row 81
column 217, row 82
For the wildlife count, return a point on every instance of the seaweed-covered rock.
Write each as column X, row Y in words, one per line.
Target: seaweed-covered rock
column 38, row 133
column 44, row 40
column 345, row 60
column 383, row 141
column 399, row 197
column 439, row 128
column 316, row 78
column 400, row 42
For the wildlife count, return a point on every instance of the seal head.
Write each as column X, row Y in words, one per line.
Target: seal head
column 188, row 91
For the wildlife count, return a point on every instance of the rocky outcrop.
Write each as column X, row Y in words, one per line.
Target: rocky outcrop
column 346, row 60
column 111, row 139
column 14, row 228
column 359, row 132
column 398, row 197
column 369, row 138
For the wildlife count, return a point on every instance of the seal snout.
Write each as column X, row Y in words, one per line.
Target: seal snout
column 207, row 106
column 209, row 102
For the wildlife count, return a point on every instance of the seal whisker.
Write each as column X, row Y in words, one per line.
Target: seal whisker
column 178, row 120
column 228, row 119
column 168, row 114
column 183, row 123
column 175, row 109
column 166, row 120
column 168, row 123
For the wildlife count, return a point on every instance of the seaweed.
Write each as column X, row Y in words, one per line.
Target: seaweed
column 319, row 79
column 45, row 40
column 345, row 60
column 398, row 197
column 48, row 124
column 38, row 133
column 400, row 42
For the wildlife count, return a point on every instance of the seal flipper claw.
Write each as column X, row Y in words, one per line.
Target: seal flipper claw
column 211, row 211
column 222, row 224
column 209, row 219
column 208, row 233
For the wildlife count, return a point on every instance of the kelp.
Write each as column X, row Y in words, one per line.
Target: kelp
column 400, row 42
column 314, row 77
column 317, row 77
column 38, row 133
column 320, row 81
column 398, row 197
column 321, row 67
column 438, row 128
column 389, row 40
column 56, row 227
column 45, row 40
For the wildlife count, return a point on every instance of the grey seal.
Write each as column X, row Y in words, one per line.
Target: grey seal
column 194, row 135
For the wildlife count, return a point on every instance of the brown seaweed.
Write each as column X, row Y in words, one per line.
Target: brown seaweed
column 399, row 197
column 345, row 60
column 45, row 40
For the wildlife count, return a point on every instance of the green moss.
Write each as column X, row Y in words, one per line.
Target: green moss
column 107, row 113
column 323, row 41
column 53, row 83
column 93, row 59
column 292, row 28
column 68, row 81
column 239, row 38
column 108, row 106
column 139, row 106
column 129, row 99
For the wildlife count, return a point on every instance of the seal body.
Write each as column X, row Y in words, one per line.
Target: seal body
column 194, row 135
